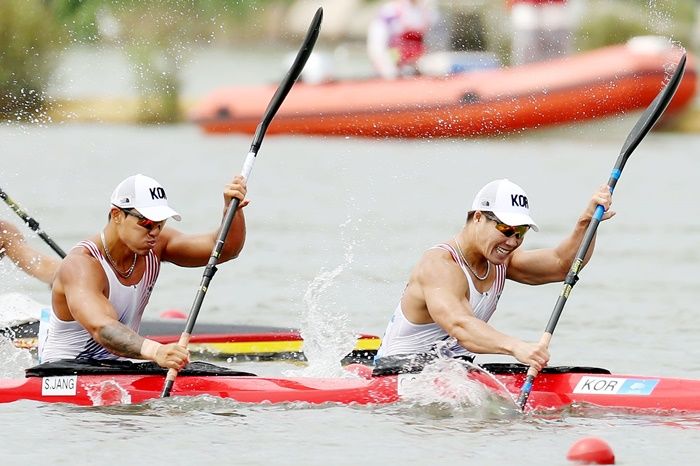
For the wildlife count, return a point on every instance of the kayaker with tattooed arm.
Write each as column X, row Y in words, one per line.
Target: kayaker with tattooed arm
column 454, row 289
column 103, row 285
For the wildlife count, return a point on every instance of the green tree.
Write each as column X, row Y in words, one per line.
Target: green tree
column 157, row 37
column 30, row 40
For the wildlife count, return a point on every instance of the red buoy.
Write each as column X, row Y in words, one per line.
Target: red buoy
column 591, row 450
column 173, row 314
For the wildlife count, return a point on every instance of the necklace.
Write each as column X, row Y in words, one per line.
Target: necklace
column 488, row 264
column 128, row 273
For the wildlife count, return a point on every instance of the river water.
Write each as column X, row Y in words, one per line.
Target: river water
column 355, row 214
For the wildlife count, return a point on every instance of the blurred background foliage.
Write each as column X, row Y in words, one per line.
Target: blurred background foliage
column 157, row 35
column 29, row 39
column 612, row 22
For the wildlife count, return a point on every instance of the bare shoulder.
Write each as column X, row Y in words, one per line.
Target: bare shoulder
column 79, row 266
column 436, row 267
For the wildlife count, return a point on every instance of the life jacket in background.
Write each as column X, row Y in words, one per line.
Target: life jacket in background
column 395, row 38
column 410, row 47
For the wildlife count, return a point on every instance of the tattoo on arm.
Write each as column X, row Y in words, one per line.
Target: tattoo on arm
column 121, row 340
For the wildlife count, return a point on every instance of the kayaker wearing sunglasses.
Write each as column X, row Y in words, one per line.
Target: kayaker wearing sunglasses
column 454, row 289
column 103, row 285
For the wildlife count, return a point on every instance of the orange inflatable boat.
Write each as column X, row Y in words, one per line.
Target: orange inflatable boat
column 581, row 87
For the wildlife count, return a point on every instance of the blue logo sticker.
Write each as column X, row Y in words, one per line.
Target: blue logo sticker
column 638, row 386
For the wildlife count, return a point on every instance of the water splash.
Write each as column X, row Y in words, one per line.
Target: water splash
column 445, row 353
column 17, row 308
column 108, row 393
column 503, row 390
column 325, row 328
column 13, row 360
column 445, row 385
column 659, row 20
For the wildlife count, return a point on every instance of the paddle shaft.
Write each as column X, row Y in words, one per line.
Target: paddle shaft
column 647, row 120
column 274, row 105
column 33, row 224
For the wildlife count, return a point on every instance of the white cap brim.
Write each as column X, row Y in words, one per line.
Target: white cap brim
column 515, row 219
column 159, row 213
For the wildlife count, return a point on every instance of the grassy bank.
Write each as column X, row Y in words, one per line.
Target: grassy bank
column 128, row 111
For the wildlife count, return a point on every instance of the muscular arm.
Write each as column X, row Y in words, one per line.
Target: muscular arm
column 195, row 250
column 444, row 289
column 79, row 293
column 539, row 266
column 30, row 260
column 121, row 340
column 83, row 283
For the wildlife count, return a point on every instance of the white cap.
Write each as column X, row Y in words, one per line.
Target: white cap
column 145, row 195
column 507, row 201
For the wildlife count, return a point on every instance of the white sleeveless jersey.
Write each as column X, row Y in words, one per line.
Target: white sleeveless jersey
column 69, row 340
column 404, row 337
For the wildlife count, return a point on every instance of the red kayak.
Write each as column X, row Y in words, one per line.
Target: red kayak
column 554, row 388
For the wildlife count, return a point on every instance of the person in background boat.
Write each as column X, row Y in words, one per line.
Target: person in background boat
column 395, row 39
column 453, row 290
column 33, row 262
column 542, row 29
column 103, row 285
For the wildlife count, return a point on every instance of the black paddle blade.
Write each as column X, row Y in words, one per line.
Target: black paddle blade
column 289, row 80
column 277, row 99
column 650, row 116
column 654, row 111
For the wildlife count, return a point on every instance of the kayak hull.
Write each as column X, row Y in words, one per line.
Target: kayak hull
column 550, row 391
column 91, row 390
column 611, row 391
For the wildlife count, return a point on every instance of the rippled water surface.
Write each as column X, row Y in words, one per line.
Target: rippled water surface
column 334, row 227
